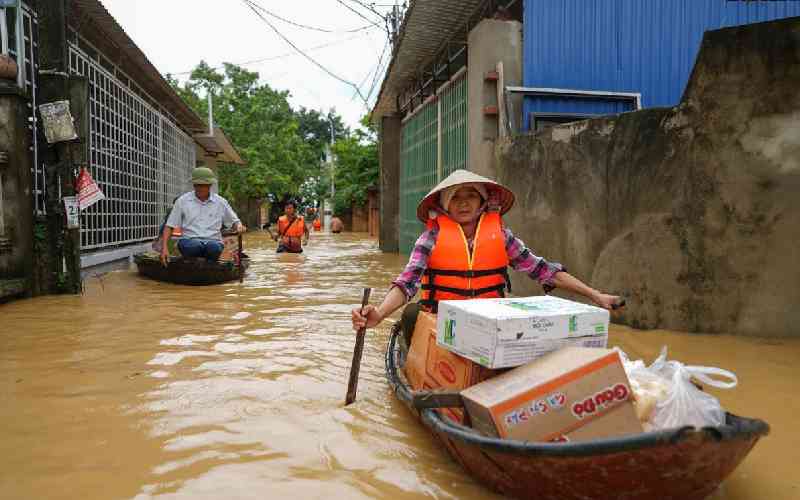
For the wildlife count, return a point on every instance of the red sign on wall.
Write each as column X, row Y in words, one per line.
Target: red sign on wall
column 88, row 191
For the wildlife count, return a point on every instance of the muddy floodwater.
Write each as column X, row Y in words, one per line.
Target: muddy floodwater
column 140, row 389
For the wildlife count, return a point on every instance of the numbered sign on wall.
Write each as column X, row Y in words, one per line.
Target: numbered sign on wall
column 73, row 212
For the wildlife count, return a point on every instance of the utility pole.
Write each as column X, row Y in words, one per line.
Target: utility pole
column 333, row 140
column 62, row 159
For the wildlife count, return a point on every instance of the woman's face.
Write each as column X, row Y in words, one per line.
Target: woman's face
column 465, row 205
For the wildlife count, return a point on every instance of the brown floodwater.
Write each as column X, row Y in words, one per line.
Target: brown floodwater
column 140, row 389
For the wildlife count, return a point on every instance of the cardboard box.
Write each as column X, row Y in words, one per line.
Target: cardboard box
column 429, row 367
column 509, row 332
column 575, row 394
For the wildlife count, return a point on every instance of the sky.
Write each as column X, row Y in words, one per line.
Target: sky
column 177, row 34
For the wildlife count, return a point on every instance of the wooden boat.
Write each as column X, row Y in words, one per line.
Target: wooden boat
column 189, row 271
column 677, row 464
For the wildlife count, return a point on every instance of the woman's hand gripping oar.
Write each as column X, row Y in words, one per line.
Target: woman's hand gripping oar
column 355, row 367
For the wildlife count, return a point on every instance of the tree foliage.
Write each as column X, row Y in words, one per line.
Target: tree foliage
column 356, row 168
column 285, row 149
column 262, row 126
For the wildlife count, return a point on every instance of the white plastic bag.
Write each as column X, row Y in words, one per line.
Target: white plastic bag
column 665, row 396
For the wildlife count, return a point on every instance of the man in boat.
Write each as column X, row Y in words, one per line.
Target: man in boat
column 201, row 215
column 465, row 252
column 292, row 230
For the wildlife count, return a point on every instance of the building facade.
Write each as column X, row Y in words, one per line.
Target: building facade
column 135, row 136
column 584, row 59
column 465, row 73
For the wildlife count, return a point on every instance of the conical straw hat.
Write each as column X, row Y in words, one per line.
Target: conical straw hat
column 431, row 200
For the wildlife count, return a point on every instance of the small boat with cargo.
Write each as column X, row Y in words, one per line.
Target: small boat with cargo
column 684, row 463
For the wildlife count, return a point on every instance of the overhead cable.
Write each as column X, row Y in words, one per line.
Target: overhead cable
column 282, row 56
column 359, row 14
column 305, row 26
column 333, row 75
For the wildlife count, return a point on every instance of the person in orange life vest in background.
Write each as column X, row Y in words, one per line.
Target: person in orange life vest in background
column 291, row 230
column 464, row 254
column 317, row 224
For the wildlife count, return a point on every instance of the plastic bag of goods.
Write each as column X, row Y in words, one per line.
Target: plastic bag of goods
column 665, row 395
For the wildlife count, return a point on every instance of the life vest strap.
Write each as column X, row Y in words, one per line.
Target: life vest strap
column 464, row 292
column 466, row 274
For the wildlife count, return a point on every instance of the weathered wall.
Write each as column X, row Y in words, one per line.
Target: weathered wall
column 359, row 219
column 16, row 238
column 692, row 212
column 389, row 157
column 490, row 42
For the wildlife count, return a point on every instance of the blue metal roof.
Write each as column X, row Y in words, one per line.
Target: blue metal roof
column 644, row 46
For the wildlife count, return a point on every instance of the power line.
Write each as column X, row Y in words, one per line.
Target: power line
column 359, row 14
column 250, row 4
column 305, row 26
column 377, row 70
column 371, row 72
column 369, row 8
column 282, row 56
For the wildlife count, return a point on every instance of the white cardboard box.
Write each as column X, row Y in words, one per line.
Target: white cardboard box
column 509, row 332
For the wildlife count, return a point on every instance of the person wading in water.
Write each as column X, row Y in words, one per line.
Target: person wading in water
column 464, row 254
column 200, row 214
column 292, row 230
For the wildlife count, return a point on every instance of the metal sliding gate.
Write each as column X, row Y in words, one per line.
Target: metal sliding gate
column 433, row 145
column 139, row 157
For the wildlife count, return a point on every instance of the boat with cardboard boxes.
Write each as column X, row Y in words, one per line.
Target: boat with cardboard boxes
column 526, row 396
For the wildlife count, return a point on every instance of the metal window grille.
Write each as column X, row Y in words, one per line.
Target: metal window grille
column 418, row 169
column 139, row 157
column 433, row 145
column 453, row 106
column 20, row 40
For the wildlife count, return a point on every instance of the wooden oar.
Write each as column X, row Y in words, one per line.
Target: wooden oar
column 241, row 266
column 358, row 350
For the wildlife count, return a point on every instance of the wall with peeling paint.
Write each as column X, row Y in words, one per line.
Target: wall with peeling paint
column 16, row 204
column 692, row 212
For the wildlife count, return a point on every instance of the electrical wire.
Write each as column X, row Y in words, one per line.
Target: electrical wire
column 369, row 8
column 282, row 56
column 333, row 75
column 305, row 26
column 377, row 70
column 359, row 14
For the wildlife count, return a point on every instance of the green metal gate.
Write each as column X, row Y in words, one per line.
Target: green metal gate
column 434, row 144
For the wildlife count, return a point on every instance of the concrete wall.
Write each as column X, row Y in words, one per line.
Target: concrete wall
column 389, row 157
column 692, row 212
column 16, row 236
column 490, row 42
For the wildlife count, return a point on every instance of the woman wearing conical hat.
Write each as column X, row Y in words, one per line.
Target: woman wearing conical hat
column 464, row 254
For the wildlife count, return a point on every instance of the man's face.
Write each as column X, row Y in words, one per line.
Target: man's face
column 202, row 191
column 290, row 210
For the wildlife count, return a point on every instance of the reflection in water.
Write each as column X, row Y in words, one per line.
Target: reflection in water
column 142, row 389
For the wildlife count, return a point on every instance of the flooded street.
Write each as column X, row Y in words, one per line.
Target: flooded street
column 141, row 389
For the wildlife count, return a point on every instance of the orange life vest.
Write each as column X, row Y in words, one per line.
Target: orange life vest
column 317, row 225
column 454, row 274
column 292, row 229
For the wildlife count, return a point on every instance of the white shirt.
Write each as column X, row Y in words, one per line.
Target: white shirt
column 202, row 219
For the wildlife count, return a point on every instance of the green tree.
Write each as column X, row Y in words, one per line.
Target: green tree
column 356, row 168
column 262, row 126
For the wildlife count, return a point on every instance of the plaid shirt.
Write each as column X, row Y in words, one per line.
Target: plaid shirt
column 520, row 258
